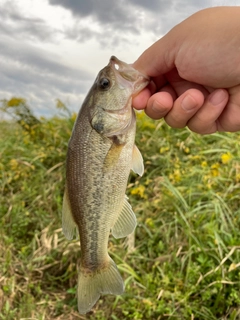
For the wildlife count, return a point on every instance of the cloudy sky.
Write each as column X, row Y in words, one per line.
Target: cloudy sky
column 53, row 49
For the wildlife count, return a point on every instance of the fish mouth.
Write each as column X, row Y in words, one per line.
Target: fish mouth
column 126, row 75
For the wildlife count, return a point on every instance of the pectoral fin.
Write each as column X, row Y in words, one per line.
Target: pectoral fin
column 137, row 161
column 112, row 156
column 126, row 221
column 68, row 224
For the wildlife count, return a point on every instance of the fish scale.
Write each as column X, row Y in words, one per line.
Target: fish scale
column 101, row 153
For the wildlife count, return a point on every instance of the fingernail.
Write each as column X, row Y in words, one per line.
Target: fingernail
column 188, row 103
column 217, row 97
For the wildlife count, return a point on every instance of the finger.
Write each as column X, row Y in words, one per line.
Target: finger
column 140, row 101
column 159, row 105
column 184, row 108
column 229, row 119
column 180, row 85
column 205, row 120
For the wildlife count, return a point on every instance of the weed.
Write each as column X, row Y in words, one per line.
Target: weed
column 183, row 261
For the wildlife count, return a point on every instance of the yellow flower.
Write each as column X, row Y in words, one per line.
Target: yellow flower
column 195, row 157
column 140, row 115
column 13, row 164
column 149, row 222
column 164, row 149
column 186, row 149
column 139, row 191
column 26, row 139
column 144, row 121
column 226, row 157
column 148, row 125
column 147, row 302
column 175, row 176
column 204, row 164
column 15, row 102
column 215, row 169
column 26, row 126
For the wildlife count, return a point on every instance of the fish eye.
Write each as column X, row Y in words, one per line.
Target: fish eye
column 104, row 83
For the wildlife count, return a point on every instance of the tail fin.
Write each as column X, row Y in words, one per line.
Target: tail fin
column 92, row 285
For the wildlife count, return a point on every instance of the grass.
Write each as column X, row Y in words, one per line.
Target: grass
column 184, row 260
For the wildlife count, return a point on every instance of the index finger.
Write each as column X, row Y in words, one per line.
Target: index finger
column 140, row 101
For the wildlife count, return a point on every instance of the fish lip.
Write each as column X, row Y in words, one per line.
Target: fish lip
column 125, row 67
column 115, row 61
column 126, row 73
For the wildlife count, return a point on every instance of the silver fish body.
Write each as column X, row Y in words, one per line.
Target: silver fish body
column 101, row 153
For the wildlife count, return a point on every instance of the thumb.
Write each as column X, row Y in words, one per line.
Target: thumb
column 159, row 58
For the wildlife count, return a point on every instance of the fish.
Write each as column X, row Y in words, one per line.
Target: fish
column 101, row 153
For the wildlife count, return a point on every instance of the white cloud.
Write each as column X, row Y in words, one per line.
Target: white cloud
column 54, row 49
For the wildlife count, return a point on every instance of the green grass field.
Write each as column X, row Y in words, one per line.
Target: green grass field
column 184, row 260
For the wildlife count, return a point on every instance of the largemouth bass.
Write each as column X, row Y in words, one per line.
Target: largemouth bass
column 101, row 153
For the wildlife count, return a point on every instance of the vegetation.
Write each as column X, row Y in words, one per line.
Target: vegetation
column 185, row 263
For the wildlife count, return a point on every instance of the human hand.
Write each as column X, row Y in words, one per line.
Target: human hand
column 195, row 72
